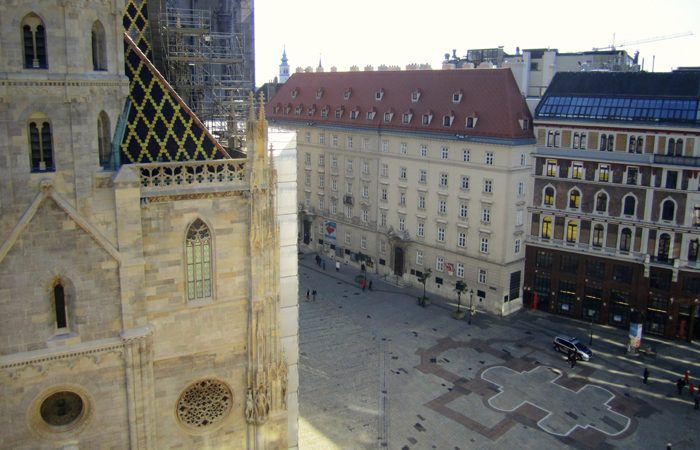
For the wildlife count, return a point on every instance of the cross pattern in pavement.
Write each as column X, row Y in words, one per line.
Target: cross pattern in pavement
column 566, row 409
column 613, row 415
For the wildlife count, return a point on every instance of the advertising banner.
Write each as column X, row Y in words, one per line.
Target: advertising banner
column 330, row 230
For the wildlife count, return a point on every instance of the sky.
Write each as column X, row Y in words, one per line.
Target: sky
column 392, row 32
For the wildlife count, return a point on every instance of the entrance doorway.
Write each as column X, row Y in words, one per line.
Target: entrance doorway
column 398, row 261
column 307, row 232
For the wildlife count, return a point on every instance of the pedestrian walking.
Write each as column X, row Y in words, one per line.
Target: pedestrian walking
column 337, row 266
column 370, row 285
column 324, row 264
column 687, row 377
column 697, row 401
column 307, row 295
column 691, row 389
column 364, row 284
column 314, row 294
column 680, row 384
column 646, row 375
column 318, row 260
column 573, row 359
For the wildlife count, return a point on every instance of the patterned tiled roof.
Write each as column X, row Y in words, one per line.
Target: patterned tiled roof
column 160, row 127
column 490, row 96
column 135, row 23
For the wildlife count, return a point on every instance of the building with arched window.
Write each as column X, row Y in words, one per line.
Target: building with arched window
column 143, row 304
column 630, row 223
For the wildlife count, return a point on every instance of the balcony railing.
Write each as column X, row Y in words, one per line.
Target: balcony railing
column 195, row 173
column 692, row 161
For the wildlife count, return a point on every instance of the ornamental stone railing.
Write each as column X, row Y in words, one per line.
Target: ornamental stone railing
column 229, row 172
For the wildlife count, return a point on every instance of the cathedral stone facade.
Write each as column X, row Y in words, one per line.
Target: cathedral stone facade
column 142, row 306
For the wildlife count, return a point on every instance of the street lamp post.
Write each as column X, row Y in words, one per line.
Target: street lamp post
column 591, row 313
column 471, row 311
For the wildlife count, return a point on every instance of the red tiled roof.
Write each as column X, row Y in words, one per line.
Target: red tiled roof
column 493, row 93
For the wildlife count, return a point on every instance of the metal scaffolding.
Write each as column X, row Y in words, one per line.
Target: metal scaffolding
column 205, row 60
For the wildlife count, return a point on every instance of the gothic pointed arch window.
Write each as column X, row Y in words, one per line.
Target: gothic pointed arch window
column 574, row 199
column 40, row 143
column 59, row 301
column 34, row 42
column 99, row 46
column 668, row 210
column 199, row 261
column 603, row 142
column 104, row 143
column 629, row 205
column 601, row 202
column 549, row 196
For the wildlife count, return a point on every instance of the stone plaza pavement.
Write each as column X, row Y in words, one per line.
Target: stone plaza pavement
column 378, row 371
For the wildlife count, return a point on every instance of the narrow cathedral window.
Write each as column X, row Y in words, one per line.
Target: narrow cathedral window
column 99, row 48
column 40, row 145
column 104, row 143
column 60, row 306
column 199, row 261
column 34, row 37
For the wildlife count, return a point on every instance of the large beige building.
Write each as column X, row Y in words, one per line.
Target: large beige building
column 142, row 300
column 418, row 170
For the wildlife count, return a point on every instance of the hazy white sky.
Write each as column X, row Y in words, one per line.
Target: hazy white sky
column 392, row 32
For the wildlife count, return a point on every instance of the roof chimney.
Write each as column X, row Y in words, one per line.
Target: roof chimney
column 468, row 65
column 299, row 70
column 411, row 66
column 309, row 69
column 485, row 65
column 354, row 69
column 319, row 69
column 369, row 69
column 448, row 66
column 425, row 67
column 394, row 68
column 382, row 68
column 334, row 69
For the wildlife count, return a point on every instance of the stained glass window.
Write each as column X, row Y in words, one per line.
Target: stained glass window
column 199, row 261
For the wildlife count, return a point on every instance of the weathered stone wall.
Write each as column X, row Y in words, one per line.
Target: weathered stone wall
column 53, row 249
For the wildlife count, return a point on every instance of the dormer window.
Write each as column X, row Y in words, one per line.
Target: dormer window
column 407, row 116
column 294, row 93
column 311, row 111
column 324, row 111
column 371, row 113
column 471, row 121
column 457, row 96
column 525, row 124
column 319, row 93
column 448, row 119
column 297, row 111
column 388, row 115
column 276, row 109
column 415, row 95
column 346, row 94
column 427, row 118
column 286, row 110
column 379, row 94
column 339, row 113
column 354, row 113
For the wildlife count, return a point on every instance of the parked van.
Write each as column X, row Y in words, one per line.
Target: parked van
column 571, row 344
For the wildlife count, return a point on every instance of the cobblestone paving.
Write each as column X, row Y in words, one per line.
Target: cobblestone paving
column 378, row 371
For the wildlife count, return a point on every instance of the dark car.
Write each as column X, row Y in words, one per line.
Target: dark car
column 570, row 344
